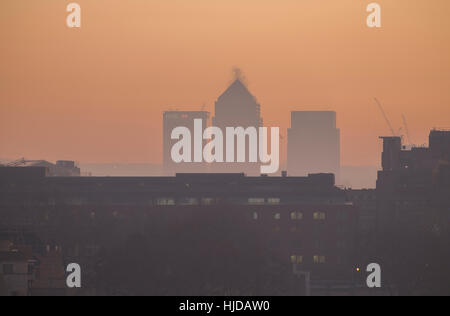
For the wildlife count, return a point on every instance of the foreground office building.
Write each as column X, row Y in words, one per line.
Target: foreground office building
column 413, row 205
column 192, row 234
column 415, row 183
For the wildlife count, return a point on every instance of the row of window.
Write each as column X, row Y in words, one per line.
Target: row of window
column 210, row 201
column 318, row 259
column 262, row 201
column 296, row 216
column 185, row 201
column 164, row 201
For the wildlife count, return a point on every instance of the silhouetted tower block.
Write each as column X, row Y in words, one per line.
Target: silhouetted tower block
column 392, row 148
column 171, row 120
column 314, row 143
column 237, row 107
column 440, row 145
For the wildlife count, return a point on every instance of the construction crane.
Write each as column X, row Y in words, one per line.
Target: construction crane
column 406, row 129
column 385, row 117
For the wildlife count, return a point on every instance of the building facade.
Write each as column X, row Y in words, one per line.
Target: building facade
column 413, row 203
column 301, row 222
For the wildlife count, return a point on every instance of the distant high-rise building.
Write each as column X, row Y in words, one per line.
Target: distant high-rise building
column 313, row 143
column 172, row 120
column 237, row 107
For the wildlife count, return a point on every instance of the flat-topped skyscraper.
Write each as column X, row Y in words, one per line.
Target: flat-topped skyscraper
column 172, row 120
column 313, row 143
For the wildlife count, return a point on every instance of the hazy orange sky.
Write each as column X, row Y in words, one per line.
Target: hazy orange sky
column 97, row 94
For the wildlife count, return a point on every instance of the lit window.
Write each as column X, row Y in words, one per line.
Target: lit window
column 319, row 216
column 208, row 201
column 277, row 216
column 188, row 201
column 319, row 259
column 296, row 259
column 256, row 201
column 255, row 216
column 165, row 201
column 297, row 216
column 273, row 201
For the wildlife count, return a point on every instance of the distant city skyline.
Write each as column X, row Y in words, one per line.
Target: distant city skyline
column 97, row 94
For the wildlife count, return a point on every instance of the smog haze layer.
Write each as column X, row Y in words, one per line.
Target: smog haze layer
column 97, row 94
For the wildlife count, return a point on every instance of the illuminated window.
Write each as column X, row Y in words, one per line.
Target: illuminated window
column 255, row 216
column 297, row 216
column 188, row 201
column 319, row 216
column 165, row 201
column 208, row 201
column 273, row 201
column 277, row 216
column 319, row 259
column 256, row 201
column 296, row 259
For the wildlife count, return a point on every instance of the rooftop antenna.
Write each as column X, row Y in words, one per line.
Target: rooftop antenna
column 385, row 117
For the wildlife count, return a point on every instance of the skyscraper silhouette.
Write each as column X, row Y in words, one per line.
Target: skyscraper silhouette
column 171, row 120
column 237, row 107
column 313, row 143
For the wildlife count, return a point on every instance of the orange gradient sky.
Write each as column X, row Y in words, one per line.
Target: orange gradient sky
column 97, row 94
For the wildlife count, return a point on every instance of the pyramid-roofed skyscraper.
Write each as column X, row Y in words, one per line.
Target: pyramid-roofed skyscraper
column 237, row 107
